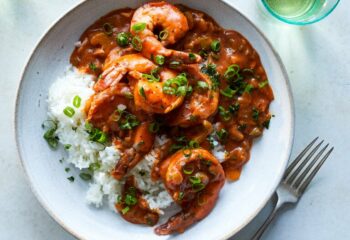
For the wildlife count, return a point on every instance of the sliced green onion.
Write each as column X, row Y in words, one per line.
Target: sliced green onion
column 222, row 134
column 228, row 92
column 198, row 187
column 232, row 72
column 234, row 108
column 123, row 39
column 51, row 138
column 71, row 179
column 266, row 124
column 255, row 114
column 193, row 144
column 138, row 27
column 85, row 176
column 95, row 166
column 202, row 85
column 153, row 127
column 69, row 112
column 76, row 101
column 181, row 196
column 188, row 170
column 93, row 67
column 195, row 180
column 263, row 84
column 142, row 92
column 67, row 146
column 136, row 43
column 192, row 56
column 215, row 45
column 224, row 113
column 159, row 59
column 125, row 210
column 248, row 88
column 163, row 35
column 67, row 169
column 130, row 200
column 103, row 138
column 108, row 28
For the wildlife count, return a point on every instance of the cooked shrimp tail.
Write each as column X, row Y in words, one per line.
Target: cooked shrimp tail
column 194, row 178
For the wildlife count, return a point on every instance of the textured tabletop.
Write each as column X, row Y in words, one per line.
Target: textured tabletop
column 317, row 59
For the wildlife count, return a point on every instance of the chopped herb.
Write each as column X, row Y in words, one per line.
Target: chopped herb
column 176, row 86
column 159, row 59
column 222, row 134
column 67, row 146
column 108, row 28
column 71, row 179
column 127, row 121
column 125, row 210
column 69, row 112
column 163, row 35
column 153, row 127
column 192, row 56
column 194, row 180
column 198, row 187
column 136, row 43
column 94, row 166
column 142, row 173
column 242, row 127
column 76, row 101
column 130, row 200
column 215, row 45
column 142, row 92
column 128, row 95
column 193, row 144
column 228, row 92
column 210, row 70
column 181, row 196
column 202, row 85
column 92, row 67
column 203, row 53
column 225, row 114
column 95, row 134
column 234, row 108
column 266, row 124
column 50, row 137
column 248, row 88
column 211, row 140
column 263, row 84
column 67, row 169
column 138, row 27
column 232, row 73
column 123, row 39
column 188, row 170
column 85, row 176
column 255, row 114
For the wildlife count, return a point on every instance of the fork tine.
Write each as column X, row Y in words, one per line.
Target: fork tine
column 307, row 169
column 290, row 178
column 299, row 157
column 307, row 181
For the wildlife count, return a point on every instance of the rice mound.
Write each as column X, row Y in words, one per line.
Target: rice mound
column 82, row 152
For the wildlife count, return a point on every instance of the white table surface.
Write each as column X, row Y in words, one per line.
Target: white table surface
column 317, row 59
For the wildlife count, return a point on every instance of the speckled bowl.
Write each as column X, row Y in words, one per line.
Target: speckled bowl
column 239, row 202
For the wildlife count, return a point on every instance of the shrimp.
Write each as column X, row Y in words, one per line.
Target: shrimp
column 194, row 180
column 200, row 105
column 143, row 141
column 149, row 96
column 174, row 25
column 133, row 207
column 115, row 69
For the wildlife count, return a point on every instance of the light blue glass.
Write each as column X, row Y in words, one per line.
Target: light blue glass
column 300, row 12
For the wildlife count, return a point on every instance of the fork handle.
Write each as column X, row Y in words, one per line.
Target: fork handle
column 267, row 222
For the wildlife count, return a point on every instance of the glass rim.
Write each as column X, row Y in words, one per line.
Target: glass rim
column 273, row 13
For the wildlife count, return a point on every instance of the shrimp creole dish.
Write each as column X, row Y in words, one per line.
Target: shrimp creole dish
column 158, row 108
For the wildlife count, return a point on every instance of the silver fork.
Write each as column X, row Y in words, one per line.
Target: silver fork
column 296, row 179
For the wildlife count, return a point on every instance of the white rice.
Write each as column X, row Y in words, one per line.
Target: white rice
column 82, row 152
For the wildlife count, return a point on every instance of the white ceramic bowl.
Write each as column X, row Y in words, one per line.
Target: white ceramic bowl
column 239, row 202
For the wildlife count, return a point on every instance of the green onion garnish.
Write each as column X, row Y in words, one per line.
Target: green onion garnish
column 71, row 179
column 232, row 72
column 222, row 134
column 136, row 43
column 176, row 86
column 92, row 67
column 255, row 114
column 225, row 114
column 195, row 180
column 248, row 88
column 263, row 84
column 228, row 92
column 188, row 170
column 193, row 144
column 69, row 112
column 163, row 35
column 142, row 92
column 159, row 59
column 50, row 136
column 76, row 101
column 108, row 28
column 123, row 39
column 215, row 45
column 85, row 176
column 192, row 56
column 174, row 64
column 67, row 146
column 234, row 108
column 202, row 85
column 181, row 196
column 125, row 210
column 95, row 166
column 153, row 127
column 130, row 200
column 138, row 27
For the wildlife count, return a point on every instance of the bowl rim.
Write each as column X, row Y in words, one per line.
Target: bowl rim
column 75, row 233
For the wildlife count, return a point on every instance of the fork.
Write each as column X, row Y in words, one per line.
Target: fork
column 296, row 179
